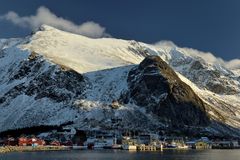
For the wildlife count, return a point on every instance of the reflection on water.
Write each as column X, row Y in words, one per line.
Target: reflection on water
column 120, row 154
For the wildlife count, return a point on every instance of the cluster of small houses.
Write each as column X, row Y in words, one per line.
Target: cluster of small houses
column 111, row 141
column 31, row 141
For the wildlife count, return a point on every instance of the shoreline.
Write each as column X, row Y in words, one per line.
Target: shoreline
column 7, row 149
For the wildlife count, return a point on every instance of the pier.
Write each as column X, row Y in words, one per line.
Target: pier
column 146, row 147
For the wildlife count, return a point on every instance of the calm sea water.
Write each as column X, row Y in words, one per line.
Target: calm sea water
column 125, row 155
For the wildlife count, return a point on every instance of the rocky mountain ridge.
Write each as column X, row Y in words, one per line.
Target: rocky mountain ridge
column 53, row 78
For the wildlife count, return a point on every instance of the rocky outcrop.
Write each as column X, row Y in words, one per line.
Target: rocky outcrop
column 212, row 79
column 56, row 83
column 156, row 87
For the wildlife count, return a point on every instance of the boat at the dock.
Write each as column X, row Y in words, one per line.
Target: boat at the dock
column 129, row 147
column 129, row 143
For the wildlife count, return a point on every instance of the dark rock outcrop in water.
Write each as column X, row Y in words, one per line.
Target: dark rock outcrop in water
column 155, row 86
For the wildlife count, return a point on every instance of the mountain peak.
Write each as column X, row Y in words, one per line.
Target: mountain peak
column 45, row 27
column 81, row 53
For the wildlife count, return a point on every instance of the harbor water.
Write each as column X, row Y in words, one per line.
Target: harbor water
column 124, row 155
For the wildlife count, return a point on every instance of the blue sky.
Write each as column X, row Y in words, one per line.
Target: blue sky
column 206, row 25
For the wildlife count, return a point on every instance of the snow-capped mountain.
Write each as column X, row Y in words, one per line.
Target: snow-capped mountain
column 54, row 78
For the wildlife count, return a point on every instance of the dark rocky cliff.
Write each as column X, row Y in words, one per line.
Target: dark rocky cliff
column 155, row 86
column 57, row 83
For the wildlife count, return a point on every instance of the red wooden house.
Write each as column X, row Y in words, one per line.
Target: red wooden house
column 55, row 143
column 23, row 141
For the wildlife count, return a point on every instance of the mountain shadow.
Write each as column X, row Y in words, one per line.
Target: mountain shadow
column 155, row 86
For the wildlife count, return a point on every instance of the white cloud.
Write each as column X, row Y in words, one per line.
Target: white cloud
column 210, row 58
column 165, row 43
column 233, row 64
column 45, row 16
column 206, row 56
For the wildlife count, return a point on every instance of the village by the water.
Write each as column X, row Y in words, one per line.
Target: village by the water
column 67, row 138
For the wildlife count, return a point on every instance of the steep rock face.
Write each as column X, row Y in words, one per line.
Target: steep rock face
column 215, row 78
column 36, row 92
column 56, row 83
column 155, row 86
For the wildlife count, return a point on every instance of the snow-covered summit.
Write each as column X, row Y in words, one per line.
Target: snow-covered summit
column 85, row 54
column 81, row 53
column 45, row 27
